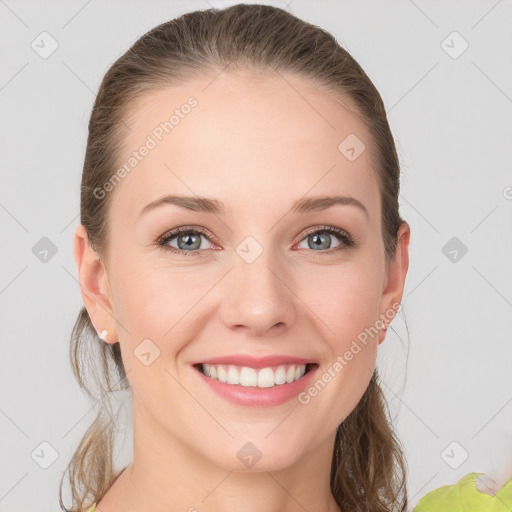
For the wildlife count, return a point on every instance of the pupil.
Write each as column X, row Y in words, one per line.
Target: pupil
column 188, row 240
column 319, row 240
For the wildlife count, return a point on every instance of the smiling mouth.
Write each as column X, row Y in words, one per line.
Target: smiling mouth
column 251, row 377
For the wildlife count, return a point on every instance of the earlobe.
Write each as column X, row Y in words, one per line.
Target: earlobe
column 93, row 283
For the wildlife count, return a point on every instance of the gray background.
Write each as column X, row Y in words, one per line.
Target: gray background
column 450, row 115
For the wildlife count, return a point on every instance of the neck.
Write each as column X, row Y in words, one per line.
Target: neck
column 178, row 478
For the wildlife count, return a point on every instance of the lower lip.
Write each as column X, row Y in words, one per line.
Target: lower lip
column 258, row 397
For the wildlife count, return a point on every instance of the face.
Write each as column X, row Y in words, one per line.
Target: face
column 258, row 283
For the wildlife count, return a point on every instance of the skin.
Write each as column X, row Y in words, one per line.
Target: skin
column 257, row 144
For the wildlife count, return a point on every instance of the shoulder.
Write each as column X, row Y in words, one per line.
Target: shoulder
column 465, row 497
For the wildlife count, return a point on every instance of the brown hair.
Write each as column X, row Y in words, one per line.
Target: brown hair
column 368, row 467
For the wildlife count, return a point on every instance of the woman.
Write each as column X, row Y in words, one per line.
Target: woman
column 241, row 255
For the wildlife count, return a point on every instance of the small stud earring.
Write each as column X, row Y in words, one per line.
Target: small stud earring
column 103, row 334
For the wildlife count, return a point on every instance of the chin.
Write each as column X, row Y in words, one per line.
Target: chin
column 257, row 453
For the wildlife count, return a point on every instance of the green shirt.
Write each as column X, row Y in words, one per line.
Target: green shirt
column 465, row 497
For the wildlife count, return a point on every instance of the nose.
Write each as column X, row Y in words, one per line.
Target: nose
column 258, row 297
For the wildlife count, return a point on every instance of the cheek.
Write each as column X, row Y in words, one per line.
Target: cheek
column 157, row 302
column 346, row 313
column 152, row 298
column 344, row 299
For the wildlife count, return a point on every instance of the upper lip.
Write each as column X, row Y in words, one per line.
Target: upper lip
column 255, row 362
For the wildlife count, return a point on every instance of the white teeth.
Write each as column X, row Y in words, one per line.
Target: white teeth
column 233, row 375
column 221, row 374
column 266, row 378
column 248, row 377
column 262, row 378
column 280, row 377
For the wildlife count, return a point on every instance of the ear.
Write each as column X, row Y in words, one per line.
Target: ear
column 94, row 286
column 395, row 279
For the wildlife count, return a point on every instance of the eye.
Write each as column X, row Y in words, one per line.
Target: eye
column 188, row 241
column 321, row 239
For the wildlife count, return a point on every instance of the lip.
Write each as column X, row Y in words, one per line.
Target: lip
column 254, row 396
column 255, row 362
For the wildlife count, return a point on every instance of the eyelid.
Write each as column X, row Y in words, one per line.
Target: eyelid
column 325, row 228
column 183, row 229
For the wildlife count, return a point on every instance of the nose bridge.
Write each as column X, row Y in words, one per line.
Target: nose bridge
column 258, row 294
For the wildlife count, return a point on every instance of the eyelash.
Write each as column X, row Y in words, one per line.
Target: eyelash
column 346, row 240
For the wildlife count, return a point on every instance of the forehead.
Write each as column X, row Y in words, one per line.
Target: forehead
column 245, row 138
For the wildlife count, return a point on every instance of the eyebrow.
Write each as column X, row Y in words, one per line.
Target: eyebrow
column 206, row 205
